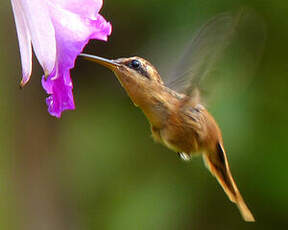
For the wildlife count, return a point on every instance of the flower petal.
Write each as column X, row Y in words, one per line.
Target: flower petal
column 72, row 32
column 89, row 8
column 61, row 96
column 104, row 28
column 41, row 31
column 24, row 41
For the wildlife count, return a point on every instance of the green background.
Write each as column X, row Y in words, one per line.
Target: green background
column 98, row 168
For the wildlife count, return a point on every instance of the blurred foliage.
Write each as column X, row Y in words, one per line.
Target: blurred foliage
column 98, row 168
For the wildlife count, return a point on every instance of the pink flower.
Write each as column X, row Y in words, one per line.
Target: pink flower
column 58, row 30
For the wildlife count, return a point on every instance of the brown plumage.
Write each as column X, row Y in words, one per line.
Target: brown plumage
column 178, row 121
column 177, row 117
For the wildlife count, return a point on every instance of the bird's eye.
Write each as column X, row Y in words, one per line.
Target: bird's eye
column 135, row 64
column 138, row 67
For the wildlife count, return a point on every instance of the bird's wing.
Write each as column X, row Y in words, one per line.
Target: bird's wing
column 209, row 48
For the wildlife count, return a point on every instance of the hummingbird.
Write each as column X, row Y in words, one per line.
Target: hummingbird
column 179, row 120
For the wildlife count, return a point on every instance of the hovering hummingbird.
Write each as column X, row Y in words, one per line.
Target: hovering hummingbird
column 178, row 119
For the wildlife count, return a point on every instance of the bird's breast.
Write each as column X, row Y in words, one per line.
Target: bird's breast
column 176, row 136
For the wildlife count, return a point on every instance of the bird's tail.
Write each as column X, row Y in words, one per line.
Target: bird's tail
column 219, row 167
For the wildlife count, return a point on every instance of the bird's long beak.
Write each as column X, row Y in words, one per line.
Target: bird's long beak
column 111, row 64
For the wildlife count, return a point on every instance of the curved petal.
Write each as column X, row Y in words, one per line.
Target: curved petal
column 24, row 41
column 104, row 28
column 89, row 8
column 72, row 34
column 61, row 96
column 41, row 31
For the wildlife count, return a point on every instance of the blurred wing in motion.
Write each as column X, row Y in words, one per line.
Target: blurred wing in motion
column 207, row 62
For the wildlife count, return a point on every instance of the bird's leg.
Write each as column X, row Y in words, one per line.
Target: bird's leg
column 184, row 156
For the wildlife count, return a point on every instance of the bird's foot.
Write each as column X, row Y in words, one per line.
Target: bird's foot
column 184, row 156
